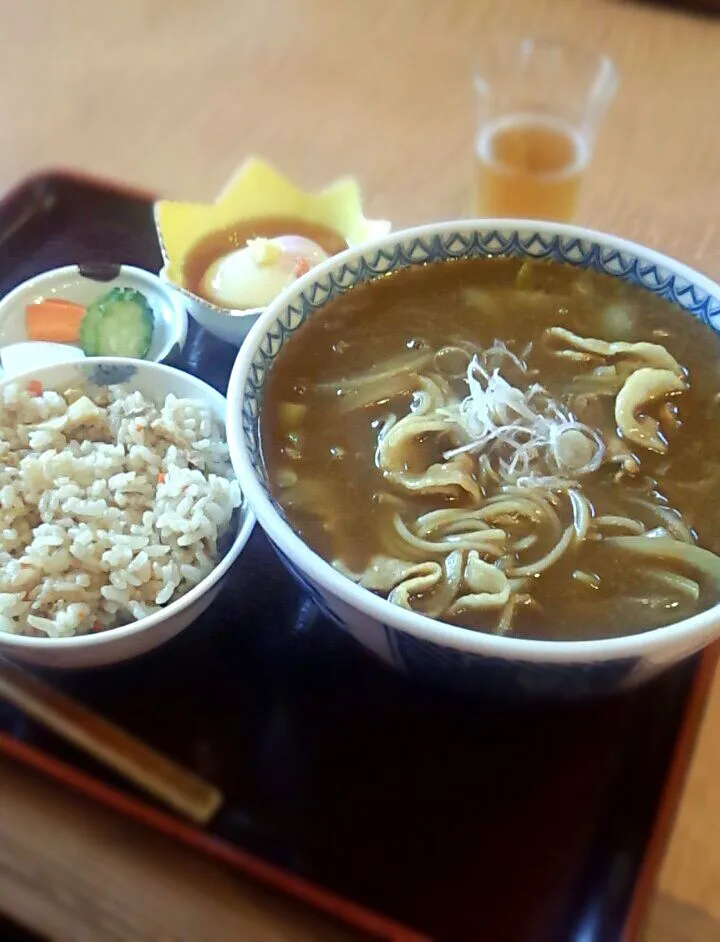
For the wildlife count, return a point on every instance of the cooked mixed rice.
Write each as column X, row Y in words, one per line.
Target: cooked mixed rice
column 111, row 506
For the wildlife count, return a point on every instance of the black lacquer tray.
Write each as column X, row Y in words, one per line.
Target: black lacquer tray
column 345, row 784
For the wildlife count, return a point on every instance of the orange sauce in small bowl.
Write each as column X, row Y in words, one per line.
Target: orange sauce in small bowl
column 215, row 245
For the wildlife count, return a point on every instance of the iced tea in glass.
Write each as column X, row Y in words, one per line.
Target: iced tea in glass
column 541, row 104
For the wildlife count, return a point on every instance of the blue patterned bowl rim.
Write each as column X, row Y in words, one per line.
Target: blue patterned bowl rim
column 440, row 242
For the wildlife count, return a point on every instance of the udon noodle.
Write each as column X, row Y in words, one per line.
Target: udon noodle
column 515, row 448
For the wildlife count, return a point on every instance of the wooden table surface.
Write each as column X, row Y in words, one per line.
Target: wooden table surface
column 171, row 96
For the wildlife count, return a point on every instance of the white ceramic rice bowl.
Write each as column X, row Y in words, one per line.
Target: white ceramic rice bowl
column 128, row 641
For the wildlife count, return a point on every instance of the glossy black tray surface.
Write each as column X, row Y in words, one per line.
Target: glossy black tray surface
column 466, row 820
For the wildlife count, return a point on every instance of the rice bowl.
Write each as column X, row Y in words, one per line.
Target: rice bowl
column 119, row 511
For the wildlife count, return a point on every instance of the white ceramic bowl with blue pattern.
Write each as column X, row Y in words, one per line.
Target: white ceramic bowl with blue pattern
column 429, row 650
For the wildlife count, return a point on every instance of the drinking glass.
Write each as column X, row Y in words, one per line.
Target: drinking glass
column 541, row 103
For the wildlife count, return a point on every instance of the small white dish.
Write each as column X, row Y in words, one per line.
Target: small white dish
column 85, row 284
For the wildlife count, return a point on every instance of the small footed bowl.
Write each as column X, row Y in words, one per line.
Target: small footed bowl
column 456, row 658
column 230, row 326
column 256, row 191
column 128, row 641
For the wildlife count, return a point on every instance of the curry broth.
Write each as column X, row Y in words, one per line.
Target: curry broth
column 478, row 301
column 217, row 244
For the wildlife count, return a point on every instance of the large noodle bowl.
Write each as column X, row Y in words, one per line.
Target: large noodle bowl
column 522, row 448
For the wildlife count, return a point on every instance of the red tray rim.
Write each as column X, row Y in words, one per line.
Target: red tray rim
column 344, row 910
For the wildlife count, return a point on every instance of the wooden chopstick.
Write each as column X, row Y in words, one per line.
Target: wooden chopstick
column 172, row 784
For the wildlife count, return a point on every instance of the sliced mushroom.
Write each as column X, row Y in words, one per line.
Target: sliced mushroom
column 426, row 587
column 649, row 354
column 488, row 585
column 644, row 386
column 383, row 573
column 420, row 579
column 573, row 347
column 397, row 446
column 585, row 348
